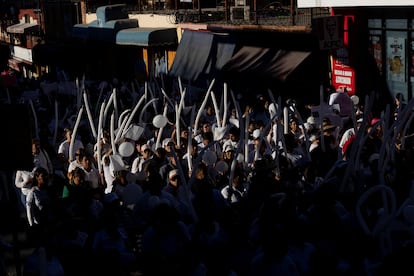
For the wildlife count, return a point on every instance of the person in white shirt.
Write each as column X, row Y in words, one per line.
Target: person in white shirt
column 63, row 149
column 146, row 155
column 92, row 174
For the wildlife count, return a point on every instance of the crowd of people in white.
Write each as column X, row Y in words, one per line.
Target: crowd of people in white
column 231, row 185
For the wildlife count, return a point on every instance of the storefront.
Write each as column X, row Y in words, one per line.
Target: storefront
column 392, row 46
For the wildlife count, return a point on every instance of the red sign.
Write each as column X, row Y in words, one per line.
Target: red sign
column 343, row 76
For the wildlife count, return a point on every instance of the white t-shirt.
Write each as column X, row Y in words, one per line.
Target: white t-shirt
column 64, row 148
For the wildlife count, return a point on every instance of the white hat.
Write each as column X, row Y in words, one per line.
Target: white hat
column 256, row 133
column 134, row 132
column 116, row 163
column 355, row 99
column 146, row 147
column 209, row 157
column 228, row 147
column 172, row 173
column 126, row 149
column 311, row 120
column 159, row 121
column 166, row 141
column 234, row 121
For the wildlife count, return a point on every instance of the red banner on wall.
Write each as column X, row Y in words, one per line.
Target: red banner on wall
column 343, row 75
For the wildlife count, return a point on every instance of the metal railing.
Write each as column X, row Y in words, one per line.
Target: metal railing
column 233, row 15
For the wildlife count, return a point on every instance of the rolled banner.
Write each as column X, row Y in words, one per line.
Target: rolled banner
column 217, row 110
column 177, row 124
column 144, row 109
column 131, row 116
column 115, row 102
column 121, row 117
column 285, row 120
column 190, row 137
column 101, row 88
column 98, row 140
column 180, row 85
column 246, row 139
column 161, row 129
column 203, row 105
column 74, row 131
column 108, row 105
column 167, row 98
column 225, row 102
column 112, row 133
column 88, row 112
column 121, row 129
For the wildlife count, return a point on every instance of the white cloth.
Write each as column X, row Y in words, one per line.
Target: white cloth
column 23, row 180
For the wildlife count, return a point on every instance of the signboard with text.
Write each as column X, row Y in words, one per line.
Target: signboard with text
column 343, row 75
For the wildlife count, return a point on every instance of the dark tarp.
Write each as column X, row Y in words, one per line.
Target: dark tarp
column 264, row 62
column 201, row 54
column 147, row 37
column 213, row 55
column 62, row 54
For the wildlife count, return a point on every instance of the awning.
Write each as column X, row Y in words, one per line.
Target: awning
column 23, row 28
column 201, row 54
column 147, row 37
column 102, row 31
column 264, row 62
